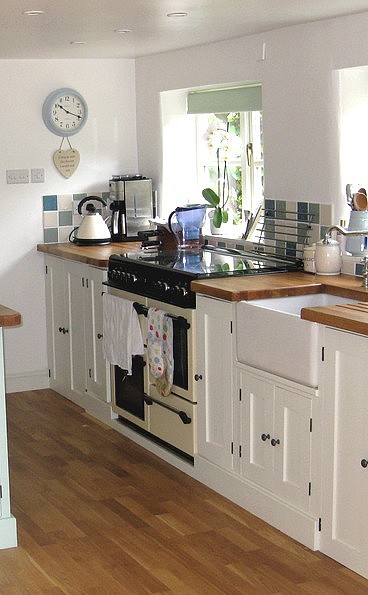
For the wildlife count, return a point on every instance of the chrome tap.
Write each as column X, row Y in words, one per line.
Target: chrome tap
column 344, row 232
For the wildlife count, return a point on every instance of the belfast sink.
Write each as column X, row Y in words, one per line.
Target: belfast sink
column 271, row 336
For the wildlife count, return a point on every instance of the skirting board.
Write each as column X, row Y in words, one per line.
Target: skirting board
column 296, row 524
column 15, row 383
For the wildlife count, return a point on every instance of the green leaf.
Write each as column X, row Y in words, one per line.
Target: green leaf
column 211, row 197
column 225, row 216
column 217, row 217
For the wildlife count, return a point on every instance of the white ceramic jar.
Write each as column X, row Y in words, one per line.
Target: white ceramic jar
column 328, row 257
column 309, row 258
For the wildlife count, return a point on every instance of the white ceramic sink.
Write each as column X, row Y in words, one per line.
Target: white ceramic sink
column 271, row 336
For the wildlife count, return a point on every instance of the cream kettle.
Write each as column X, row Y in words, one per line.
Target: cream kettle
column 328, row 259
column 93, row 229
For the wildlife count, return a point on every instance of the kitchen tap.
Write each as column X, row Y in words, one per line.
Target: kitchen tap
column 343, row 231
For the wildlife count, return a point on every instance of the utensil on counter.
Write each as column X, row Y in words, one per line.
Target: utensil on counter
column 360, row 201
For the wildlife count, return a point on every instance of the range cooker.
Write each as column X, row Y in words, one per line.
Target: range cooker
column 162, row 279
column 167, row 275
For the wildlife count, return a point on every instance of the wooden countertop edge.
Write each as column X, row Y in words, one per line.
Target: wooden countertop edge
column 337, row 317
column 9, row 317
column 97, row 256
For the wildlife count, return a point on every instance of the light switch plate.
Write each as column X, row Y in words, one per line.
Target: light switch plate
column 17, row 176
column 37, row 175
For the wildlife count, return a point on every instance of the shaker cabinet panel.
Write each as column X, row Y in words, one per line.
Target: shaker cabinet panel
column 275, row 436
column 214, row 372
column 345, row 450
column 74, row 329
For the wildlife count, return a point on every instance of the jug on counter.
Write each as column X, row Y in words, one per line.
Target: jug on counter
column 328, row 258
column 186, row 224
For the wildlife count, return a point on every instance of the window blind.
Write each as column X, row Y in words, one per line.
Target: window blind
column 232, row 99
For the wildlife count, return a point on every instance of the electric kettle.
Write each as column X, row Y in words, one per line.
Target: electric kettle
column 93, row 229
column 187, row 226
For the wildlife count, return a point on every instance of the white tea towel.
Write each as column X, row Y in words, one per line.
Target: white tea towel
column 160, row 349
column 122, row 336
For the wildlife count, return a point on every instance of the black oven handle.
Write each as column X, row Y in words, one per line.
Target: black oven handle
column 183, row 416
column 141, row 309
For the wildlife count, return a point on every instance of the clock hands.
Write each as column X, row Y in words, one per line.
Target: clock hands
column 67, row 111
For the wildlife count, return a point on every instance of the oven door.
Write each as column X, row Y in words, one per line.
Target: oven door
column 128, row 391
column 183, row 350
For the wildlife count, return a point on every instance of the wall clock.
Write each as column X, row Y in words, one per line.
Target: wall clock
column 65, row 112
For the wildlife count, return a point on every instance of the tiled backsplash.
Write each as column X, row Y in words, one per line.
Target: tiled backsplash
column 285, row 228
column 60, row 214
column 306, row 222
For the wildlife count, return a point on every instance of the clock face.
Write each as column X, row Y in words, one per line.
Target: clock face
column 64, row 112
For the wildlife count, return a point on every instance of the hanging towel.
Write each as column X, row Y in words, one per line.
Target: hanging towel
column 122, row 336
column 160, row 349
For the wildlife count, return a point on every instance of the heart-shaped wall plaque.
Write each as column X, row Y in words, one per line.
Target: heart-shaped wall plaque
column 66, row 162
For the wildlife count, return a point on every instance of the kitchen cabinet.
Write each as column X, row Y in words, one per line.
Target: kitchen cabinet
column 344, row 519
column 58, row 325
column 74, row 326
column 258, row 433
column 275, row 435
column 215, row 380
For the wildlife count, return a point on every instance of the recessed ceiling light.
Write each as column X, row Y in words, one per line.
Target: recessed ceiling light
column 33, row 13
column 122, row 31
column 177, row 14
column 78, row 42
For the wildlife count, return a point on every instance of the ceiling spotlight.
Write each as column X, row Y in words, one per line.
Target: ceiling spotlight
column 33, row 13
column 177, row 14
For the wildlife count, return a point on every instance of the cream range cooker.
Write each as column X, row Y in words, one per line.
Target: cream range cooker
column 162, row 279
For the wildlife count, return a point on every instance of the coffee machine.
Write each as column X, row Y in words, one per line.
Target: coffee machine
column 131, row 204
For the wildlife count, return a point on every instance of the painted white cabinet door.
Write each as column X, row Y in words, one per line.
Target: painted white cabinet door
column 58, row 325
column 214, row 356
column 275, row 437
column 74, row 327
column 344, row 527
column 96, row 366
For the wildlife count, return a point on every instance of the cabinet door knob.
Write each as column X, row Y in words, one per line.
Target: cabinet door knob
column 99, row 335
column 265, row 437
column 275, row 441
column 60, row 329
column 364, row 463
column 197, row 377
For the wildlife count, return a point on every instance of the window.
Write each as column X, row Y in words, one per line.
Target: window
column 229, row 147
column 230, row 159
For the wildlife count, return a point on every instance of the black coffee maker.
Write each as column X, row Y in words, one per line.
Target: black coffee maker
column 131, row 206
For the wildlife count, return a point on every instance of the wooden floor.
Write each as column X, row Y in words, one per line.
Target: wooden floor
column 97, row 514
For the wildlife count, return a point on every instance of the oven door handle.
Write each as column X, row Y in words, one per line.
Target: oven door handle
column 183, row 416
column 141, row 309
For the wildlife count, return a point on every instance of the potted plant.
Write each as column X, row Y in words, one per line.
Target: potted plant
column 220, row 215
column 224, row 144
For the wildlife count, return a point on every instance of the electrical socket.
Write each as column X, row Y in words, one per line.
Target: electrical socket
column 37, row 175
column 17, row 176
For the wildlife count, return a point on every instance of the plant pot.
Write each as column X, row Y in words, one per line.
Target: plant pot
column 215, row 231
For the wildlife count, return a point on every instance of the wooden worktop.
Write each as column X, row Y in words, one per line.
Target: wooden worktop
column 9, row 317
column 97, row 256
column 235, row 289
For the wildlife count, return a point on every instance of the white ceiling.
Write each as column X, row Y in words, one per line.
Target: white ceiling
column 95, row 21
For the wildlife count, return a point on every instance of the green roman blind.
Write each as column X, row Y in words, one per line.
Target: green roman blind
column 231, row 99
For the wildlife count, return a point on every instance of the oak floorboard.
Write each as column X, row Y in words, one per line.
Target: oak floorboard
column 99, row 515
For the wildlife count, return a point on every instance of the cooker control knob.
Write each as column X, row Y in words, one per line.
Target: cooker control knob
column 181, row 290
column 132, row 277
column 163, row 286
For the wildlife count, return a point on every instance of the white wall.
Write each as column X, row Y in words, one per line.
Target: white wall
column 107, row 145
column 300, row 100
